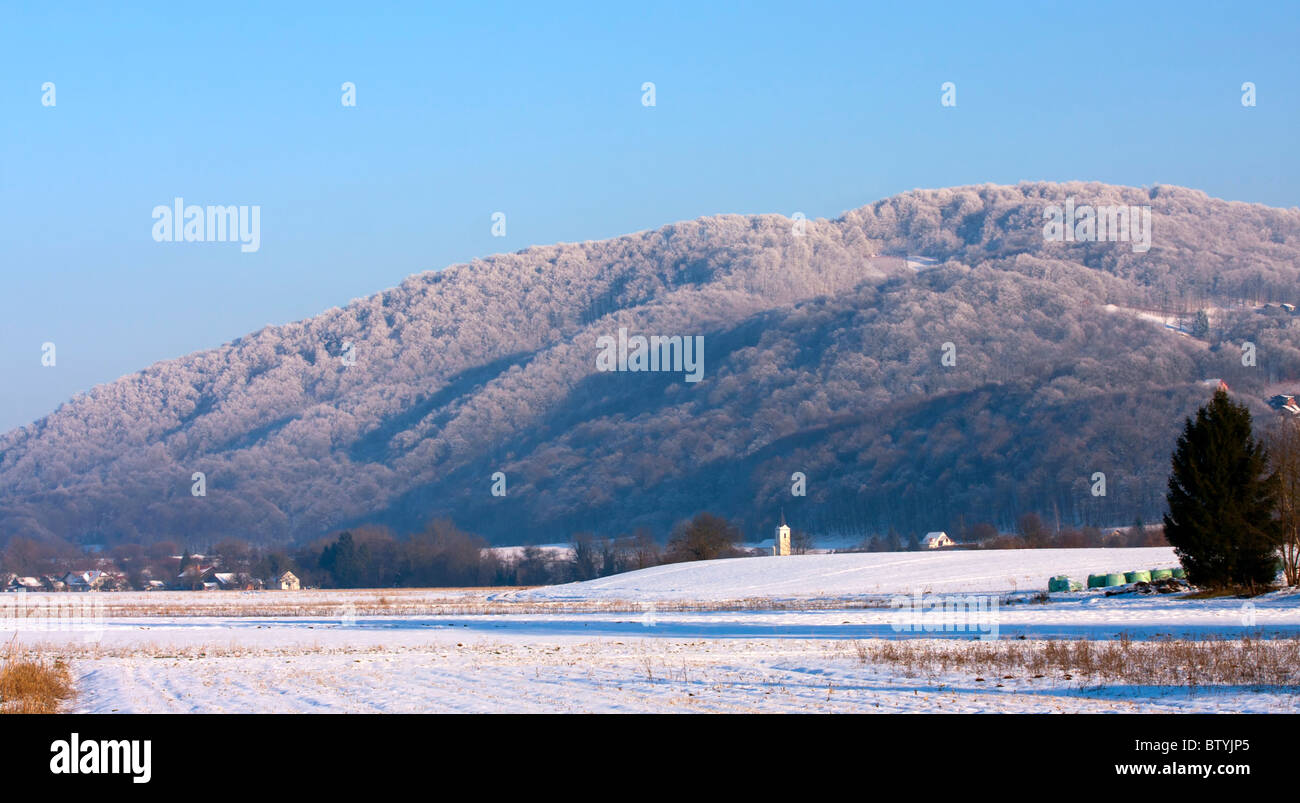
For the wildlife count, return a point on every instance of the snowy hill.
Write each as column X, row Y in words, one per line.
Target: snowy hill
column 846, row 575
column 823, row 356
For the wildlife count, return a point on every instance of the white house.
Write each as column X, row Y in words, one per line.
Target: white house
column 84, row 581
column 936, row 540
column 287, row 581
column 23, row 584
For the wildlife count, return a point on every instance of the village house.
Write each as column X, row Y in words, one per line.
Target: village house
column 84, row 581
column 1285, row 402
column 195, row 578
column 287, row 581
column 236, row 581
column 24, row 584
column 937, row 540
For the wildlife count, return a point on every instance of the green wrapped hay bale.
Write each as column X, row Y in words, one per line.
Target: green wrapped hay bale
column 1161, row 574
column 1075, row 585
column 1139, row 576
column 1114, row 579
column 1096, row 581
column 1180, row 573
column 1058, row 583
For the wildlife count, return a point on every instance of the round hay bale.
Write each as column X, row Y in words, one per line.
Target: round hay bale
column 1140, row 576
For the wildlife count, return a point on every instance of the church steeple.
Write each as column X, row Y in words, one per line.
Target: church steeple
column 782, row 543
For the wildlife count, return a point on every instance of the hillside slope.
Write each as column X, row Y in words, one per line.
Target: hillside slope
column 856, row 574
column 822, row 355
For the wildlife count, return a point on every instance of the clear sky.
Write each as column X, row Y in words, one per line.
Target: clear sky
column 466, row 110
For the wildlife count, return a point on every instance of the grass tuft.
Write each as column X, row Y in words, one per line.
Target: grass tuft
column 33, row 684
column 1250, row 662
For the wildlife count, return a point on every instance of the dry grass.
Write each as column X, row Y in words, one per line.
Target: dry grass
column 1258, row 663
column 33, row 684
column 421, row 602
column 453, row 602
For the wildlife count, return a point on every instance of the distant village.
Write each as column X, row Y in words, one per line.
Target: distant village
column 706, row 537
column 193, row 578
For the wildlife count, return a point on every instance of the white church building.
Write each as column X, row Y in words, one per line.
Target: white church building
column 782, row 544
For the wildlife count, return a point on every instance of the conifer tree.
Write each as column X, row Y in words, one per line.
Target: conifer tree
column 1222, row 500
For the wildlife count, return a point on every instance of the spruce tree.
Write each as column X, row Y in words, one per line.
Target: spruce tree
column 1222, row 500
column 893, row 541
column 1201, row 326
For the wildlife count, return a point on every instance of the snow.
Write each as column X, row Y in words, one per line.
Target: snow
column 721, row 661
column 566, row 675
column 554, row 551
column 847, row 575
column 743, row 635
column 1174, row 323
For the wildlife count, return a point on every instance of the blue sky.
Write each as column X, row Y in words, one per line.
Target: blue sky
column 467, row 110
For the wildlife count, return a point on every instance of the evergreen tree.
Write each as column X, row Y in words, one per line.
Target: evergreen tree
column 1201, row 326
column 894, row 541
column 1222, row 500
column 343, row 561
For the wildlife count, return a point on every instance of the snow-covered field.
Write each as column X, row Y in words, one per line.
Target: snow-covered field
column 511, row 672
column 631, row 643
column 856, row 574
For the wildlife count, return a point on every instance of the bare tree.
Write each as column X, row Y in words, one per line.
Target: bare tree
column 800, row 542
column 585, row 556
column 645, row 551
column 1031, row 528
column 1284, row 452
column 704, row 537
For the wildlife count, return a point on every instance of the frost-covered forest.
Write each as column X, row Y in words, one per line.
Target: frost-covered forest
column 822, row 355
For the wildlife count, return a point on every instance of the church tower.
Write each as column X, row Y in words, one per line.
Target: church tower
column 782, row 545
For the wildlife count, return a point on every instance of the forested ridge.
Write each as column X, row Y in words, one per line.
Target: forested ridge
column 822, row 356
